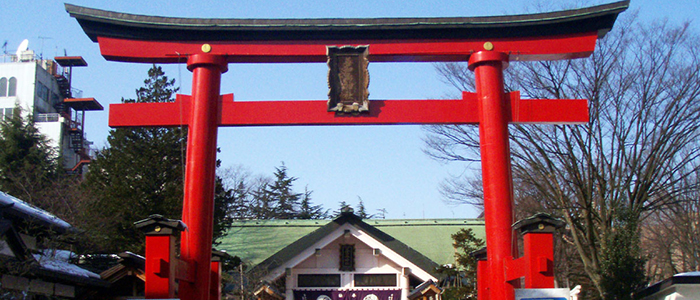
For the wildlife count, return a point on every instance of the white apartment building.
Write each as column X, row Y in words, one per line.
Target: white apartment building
column 42, row 88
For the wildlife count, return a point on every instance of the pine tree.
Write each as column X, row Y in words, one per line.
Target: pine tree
column 362, row 211
column 28, row 165
column 262, row 205
column 343, row 207
column 287, row 201
column 141, row 173
column 309, row 211
column 276, row 199
column 241, row 202
column 224, row 209
column 459, row 281
column 381, row 213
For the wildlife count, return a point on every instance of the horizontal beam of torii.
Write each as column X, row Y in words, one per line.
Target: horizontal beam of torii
column 209, row 45
column 382, row 112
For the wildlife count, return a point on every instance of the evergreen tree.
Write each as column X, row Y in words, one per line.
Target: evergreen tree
column 459, row 281
column 241, row 202
column 287, row 201
column 28, row 166
column 141, row 173
column 343, row 207
column 309, row 211
column 362, row 211
column 623, row 267
column 261, row 197
column 262, row 205
column 32, row 171
column 224, row 209
column 276, row 199
column 381, row 213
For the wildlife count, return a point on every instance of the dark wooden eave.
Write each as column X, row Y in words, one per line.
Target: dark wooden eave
column 101, row 23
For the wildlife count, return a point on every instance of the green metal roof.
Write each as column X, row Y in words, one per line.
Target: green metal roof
column 256, row 240
column 432, row 238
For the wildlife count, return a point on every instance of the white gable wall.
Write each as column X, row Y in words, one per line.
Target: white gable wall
column 324, row 258
column 328, row 260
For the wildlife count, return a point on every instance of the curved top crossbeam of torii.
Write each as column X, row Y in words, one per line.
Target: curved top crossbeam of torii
column 544, row 36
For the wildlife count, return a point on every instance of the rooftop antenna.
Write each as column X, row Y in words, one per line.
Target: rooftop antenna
column 4, row 47
column 41, row 50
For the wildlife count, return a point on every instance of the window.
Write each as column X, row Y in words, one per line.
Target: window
column 12, row 87
column 6, row 113
column 347, row 257
column 42, row 91
column 3, row 87
column 318, row 280
column 375, row 280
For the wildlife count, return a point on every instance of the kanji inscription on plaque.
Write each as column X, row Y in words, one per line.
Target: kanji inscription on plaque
column 348, row 79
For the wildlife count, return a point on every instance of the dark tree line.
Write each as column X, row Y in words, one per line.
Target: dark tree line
column 262, row 197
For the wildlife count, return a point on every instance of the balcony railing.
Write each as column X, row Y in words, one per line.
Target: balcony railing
column 76, row 93
column 50, row 117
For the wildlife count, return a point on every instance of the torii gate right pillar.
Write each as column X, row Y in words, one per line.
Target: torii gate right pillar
column 496, row 169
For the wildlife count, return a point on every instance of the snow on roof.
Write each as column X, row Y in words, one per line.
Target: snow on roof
column 59, row 261
column 696, row 273
column 32, row 211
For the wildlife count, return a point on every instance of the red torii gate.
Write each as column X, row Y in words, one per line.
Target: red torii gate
column 209, row 45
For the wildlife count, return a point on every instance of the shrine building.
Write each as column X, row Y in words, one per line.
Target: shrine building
column 347, row 258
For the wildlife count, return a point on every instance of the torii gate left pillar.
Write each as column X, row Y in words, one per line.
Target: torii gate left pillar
column 200, row 172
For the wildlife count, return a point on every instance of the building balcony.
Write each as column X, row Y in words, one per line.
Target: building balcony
column 50, row 117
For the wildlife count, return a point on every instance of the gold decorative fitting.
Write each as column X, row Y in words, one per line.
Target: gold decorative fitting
column 206, row 48
column 541, row 226
column 157, row 229
column 488, row 46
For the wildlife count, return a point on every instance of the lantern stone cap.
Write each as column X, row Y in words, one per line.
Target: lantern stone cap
column 538, row 223
column 159, row 225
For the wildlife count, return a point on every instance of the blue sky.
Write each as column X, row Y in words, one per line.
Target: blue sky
column 383, row 165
